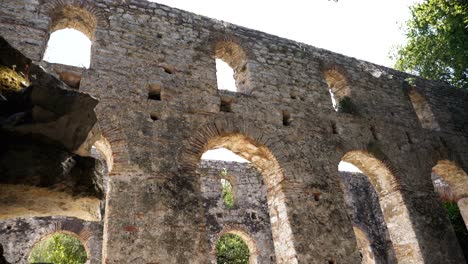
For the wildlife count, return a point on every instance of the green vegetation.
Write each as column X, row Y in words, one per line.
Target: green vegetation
column 231, row 249
column 59, row 249
column 437, row 47
column 227, row 194
column 458, row 225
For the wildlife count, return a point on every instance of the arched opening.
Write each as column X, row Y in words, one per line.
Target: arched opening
column 227, row 193
column 364, row 246
column 423, row 110
column 235, row 247
column 270, row 175
column 395, row 213
column 71, row 35
column 362, row 204
column 69, row 47
column 59, row 248
column 231, row 67
column 451, row 184
column 339, row 91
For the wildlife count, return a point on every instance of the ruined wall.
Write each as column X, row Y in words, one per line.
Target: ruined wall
column 155, row 208
column 250, row 212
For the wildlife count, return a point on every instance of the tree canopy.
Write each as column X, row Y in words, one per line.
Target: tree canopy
column 437, row 46
column 59, row 249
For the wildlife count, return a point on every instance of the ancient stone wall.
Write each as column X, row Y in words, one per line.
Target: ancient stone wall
column 250, row 212
column 282, row 120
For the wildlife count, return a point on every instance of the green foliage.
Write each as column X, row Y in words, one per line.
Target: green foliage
column 347, row 106
column 437, row 47
column 59, row 249
column 458, row 225
column 227, row 194
column 231, row 249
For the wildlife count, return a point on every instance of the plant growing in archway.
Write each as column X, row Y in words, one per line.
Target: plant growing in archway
column 231, row 249
column 59, row 249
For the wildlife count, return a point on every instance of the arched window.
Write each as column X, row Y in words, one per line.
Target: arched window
column 231, row 67
column 451, row 183
column 362, row 204
column 339, row 91
column 383, row 181
column 58, row 248
column 227, row 193
column 72, row 32
column 263, row 160
column 70, row 47
column 231, row 248
column 423, row 111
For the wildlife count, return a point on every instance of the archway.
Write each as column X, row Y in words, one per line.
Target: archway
column 71, row 34
column 231, row 66
column 262, row 159
column 239, row 241
column 395, row 212
column 338, row 88
column 60, row 247
column 451, row 183
column 423, row 110
column 362, row 204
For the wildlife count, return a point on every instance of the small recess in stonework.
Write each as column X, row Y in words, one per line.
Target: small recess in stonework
column 71, row 79
column 154, row 117
column 154, row 92
column 225, row 105
column 287, row 120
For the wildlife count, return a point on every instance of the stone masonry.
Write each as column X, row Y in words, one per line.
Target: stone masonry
column 153, row 72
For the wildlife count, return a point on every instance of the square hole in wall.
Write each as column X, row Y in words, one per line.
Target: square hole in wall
column 287, row 120
column 154, row 116
column 154, row 92
column 226, row 105
column 71, row 79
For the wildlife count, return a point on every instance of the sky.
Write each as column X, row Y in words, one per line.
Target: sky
column 364, row 29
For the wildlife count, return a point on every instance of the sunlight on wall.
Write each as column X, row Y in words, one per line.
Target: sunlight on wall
column 70, row 47
column 346, row 166
column 222, row 154
column 225, row 76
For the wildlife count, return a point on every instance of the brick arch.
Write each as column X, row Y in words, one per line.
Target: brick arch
column 337, row 81
column 231, row 51
column 113, row 144
column 244, row 235
column 457, row 180
column 252, row 144
column 422, row 109
column 364, row 245
column 77, row 230
column 383, row 177
column 82, row 15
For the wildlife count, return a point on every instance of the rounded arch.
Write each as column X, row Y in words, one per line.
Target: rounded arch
column 244, row 235
column 423, row 110
column 457, row 180
column 229, row 51
column 455, row 177
column 338, row 85
column 396, row 214
column 364, row 245
column 82, row 238
column 82, row 15
column 249, row 143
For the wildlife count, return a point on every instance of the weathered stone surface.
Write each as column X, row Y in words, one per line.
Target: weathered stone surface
column 282, row 120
